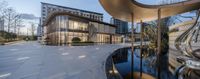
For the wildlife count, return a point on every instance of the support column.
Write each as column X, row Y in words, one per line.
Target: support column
column 132, row 45
column 141, row 47
column 111, row 39
column 158, row 43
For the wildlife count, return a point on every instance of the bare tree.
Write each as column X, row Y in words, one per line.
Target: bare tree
column 17, row 22
column 11, row 21
column 3, row 5
column 33, row 29
column 9, row 16
column 19, row 26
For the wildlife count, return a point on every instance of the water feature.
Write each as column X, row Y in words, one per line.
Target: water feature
column 122, row 62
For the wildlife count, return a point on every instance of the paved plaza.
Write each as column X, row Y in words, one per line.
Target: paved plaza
column 30, row 60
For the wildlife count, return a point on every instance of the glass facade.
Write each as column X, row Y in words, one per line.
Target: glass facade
column 122, row 26
column 76, row 25
column 62, row 29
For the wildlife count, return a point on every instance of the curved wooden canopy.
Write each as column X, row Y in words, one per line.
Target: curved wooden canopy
column 123, row 9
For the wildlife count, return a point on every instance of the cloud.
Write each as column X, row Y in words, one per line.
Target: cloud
column 28, row 16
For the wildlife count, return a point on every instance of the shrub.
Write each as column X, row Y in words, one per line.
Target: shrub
column 76, row 40
column 88, row 42
column 7, row 35
column 85, row 43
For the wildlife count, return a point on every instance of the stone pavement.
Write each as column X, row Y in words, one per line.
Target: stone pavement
column 30, row 60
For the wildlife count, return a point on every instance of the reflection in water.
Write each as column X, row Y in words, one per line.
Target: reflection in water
column 122, row 61
column 121, row 57
column 187, row 73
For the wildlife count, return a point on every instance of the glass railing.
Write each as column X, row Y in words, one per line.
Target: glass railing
column 159, row 2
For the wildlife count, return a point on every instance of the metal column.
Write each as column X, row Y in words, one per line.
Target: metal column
column 141, row 47
column 158, row 43
column 132, row 45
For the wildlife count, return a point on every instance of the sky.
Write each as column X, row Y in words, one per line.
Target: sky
column 33, row 7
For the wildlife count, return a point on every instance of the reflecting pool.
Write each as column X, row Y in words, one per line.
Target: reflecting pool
column 122, row 62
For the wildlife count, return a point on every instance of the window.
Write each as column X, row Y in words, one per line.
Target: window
column 101, row 28
column 71, row 25
column 106, row 29
column 76, row 26
column 82, row 36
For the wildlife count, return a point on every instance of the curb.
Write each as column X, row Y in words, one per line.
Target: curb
column 8, row 43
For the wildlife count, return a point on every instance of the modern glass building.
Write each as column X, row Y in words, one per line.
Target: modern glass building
column 62, row 27
column 47, row 8
column 122, row 26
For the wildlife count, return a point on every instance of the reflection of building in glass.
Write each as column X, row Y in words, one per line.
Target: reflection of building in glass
column 178, row 29
column 122, row 26
column 62, row 27
column 121, row 56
